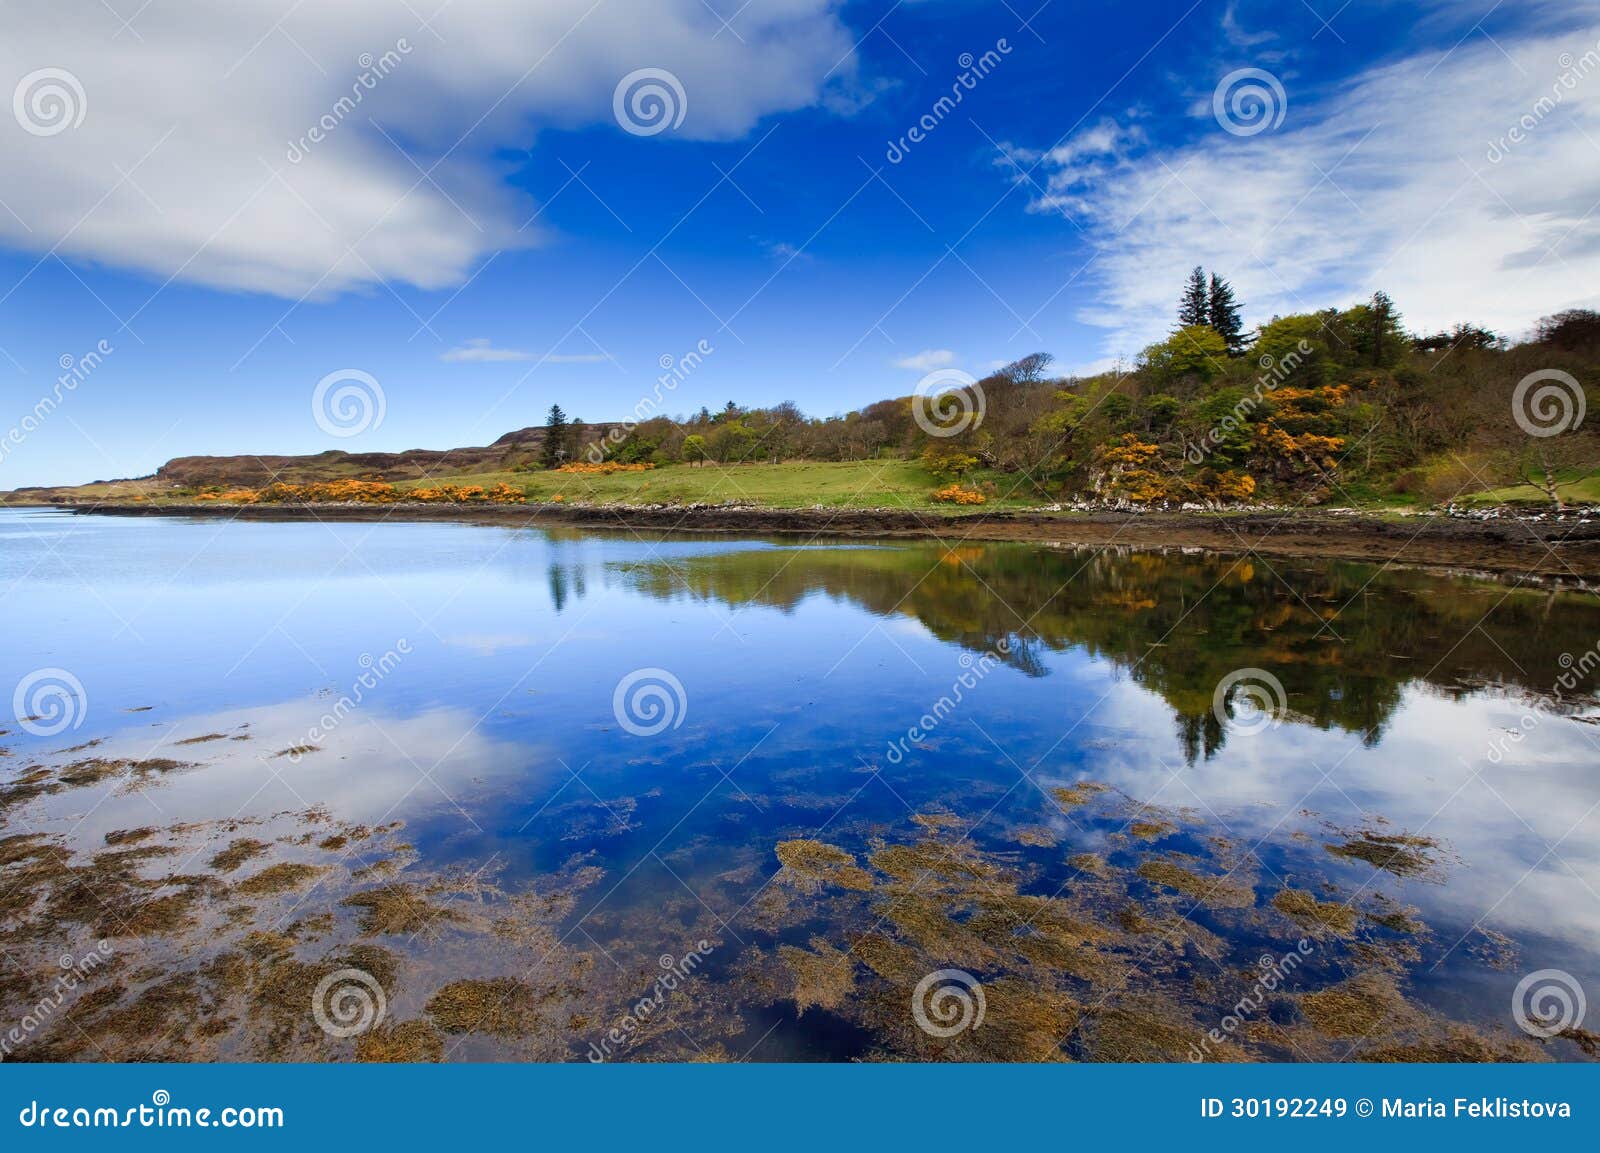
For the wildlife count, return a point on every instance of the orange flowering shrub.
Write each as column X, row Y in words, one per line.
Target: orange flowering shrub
column 1127, row 472
column 604, row 468
column 232, row 496
column 356, row 491
column 1306, row 449
column 955, row 494
column 1234, row 486
column 374, row 492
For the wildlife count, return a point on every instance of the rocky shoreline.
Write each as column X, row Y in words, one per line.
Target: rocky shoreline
column 1565, row 547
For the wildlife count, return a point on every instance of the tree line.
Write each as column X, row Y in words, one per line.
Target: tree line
column 1340, row 404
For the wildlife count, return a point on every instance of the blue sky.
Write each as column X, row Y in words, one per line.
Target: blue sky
column 481, row 236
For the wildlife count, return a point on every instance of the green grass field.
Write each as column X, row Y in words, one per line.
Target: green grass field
column 1575, row 487
column 794, row 484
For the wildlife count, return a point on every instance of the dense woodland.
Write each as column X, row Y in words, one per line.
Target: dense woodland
column 1339, row 406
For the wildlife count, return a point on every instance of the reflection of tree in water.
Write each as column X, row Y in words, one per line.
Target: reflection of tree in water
column 566, row 581
column 1344, row 638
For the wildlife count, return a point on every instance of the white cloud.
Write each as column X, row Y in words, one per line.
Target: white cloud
column 1386, row 183
column 927, row 360
column 480, row 351
column 192, row 110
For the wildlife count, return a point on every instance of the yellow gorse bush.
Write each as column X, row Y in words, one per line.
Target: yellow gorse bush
column 604, row 468
column 955, row 494
column 378, row 492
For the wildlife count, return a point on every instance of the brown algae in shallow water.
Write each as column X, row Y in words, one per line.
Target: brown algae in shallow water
column 1402, row 854
column 1037, row 837
column 823, row 976
column 237, row 853
column 1314, row 914
column 401, row 909
column 1081, row 793
column 1088, row 863
column 401, row 1042
column 1365, row 1005
column 284, row 877
column 130, row 836
column 503, row 1006
column 1219, row 892
column 811, row 864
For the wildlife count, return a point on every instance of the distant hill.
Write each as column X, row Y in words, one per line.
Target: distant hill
column 515, row 450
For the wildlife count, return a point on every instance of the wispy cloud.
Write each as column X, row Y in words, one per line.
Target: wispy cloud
column 480, row 350
column 1386, row 183
column 927, row 360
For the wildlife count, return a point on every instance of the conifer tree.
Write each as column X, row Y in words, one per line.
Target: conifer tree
column 555, row 437
column 1223, row 312
column 1195, row 305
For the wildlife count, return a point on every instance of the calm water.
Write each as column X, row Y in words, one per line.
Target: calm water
column 910, row 713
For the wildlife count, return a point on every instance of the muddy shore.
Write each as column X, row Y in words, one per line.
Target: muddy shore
column 1567, row 548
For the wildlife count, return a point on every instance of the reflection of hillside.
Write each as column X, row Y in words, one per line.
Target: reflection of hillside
column 1344, row 641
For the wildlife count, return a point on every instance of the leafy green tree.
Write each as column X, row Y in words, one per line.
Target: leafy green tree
column 1194, row 307
column 694, row 449
column 1196, row 350
column 555, row 437
column 1297, row 350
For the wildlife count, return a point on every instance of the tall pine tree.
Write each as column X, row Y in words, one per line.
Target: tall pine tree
column 1223, row 313
column 1195, row 305
column 1386, row 337
column 555, row 437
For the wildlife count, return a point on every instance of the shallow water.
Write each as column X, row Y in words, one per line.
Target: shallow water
column 1428, row 786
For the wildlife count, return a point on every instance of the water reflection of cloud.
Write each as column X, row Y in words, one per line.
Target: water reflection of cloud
column 1526, row 830
column 372, row 767
column 488, row 644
